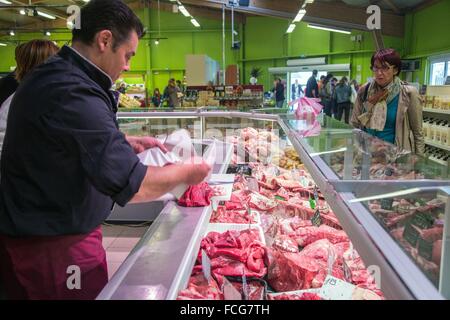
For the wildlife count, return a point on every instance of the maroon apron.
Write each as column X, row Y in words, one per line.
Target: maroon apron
column 47, row 268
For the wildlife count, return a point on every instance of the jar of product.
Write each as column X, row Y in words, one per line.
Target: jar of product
column 425, row 128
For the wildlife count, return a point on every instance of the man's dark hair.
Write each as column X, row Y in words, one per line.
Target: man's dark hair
column 113, row 15
column 322, row 77
column 315, row 72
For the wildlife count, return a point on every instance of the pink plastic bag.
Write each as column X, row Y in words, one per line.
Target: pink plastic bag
column 307, row 108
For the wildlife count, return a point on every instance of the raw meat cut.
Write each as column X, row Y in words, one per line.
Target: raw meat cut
column 197, row 196
column 221, row 215
column 234, row 253
column 295, row 296
column 199, row 289
column 308, row 235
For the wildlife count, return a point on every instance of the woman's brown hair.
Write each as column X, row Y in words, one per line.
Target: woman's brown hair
column 31, row 54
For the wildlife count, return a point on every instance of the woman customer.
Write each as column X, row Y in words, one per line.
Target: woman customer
column 28, row 56
column 389, row 108
column 156, row 98
column 343, row 93
column 325, row 94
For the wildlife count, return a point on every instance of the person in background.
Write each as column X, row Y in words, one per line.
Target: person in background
column 312, row 89
column 122, row 88
column 180, row 86
column 9, row 83
column 355, row 87
column 156, row 98
column 171, row 94
column 389, row 108
column 28, row 56
column 65, row 162
column 296, row 90
column 333, row 82
column 343, row 93
column 279, row 93
column 320, row 83
column 325, row 94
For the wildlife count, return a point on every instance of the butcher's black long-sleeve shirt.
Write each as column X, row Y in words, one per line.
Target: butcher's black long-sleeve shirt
column 64, row 161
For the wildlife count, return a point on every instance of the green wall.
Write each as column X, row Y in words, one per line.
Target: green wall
column 427, row 35
column 264, row 44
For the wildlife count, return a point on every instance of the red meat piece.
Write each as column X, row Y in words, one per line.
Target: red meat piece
column 197, row 196
column 294, row 296
column 199, row 289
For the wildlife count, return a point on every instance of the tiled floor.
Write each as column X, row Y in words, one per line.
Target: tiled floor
column 118, row 241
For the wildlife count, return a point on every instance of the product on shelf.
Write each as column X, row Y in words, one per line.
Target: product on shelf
column 127, row 102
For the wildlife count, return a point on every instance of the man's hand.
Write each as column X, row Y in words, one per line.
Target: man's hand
column 141, row 144
column 195, row 173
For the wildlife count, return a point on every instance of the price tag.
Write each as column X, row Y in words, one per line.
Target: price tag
column 425, row 249
column 411, row 234
column 229, row 291
column 312, row 203
column 316, row 220
column 316, row 195
column 423, row 220
column 336, row 289
column 347, row 272
column 206, row 266
column 386, row 204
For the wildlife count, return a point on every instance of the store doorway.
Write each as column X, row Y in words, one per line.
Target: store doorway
column 302, row 78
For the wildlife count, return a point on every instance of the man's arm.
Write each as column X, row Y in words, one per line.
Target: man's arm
column 158, row 181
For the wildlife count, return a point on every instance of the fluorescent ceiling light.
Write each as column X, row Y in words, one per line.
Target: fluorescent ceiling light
column 300, row 15
column 195, row 23
column 309, row 1
column 5, row 1
column 48, row 33
column 328, row 29
column 184, row 11
column 46, row 15
column 291, row 28
column 2, row 44
column 22, row 12
column 12, row 33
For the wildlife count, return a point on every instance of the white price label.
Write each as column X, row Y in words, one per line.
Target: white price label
column 336, row 289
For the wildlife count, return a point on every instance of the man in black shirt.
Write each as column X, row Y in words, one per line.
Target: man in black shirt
column 279, row 93
column 312, row 89
column 65, row 162
column 8, row 85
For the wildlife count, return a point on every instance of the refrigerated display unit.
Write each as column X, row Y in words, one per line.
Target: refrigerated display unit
column 394, row 206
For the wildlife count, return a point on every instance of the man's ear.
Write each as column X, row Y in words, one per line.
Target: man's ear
column 104, row 40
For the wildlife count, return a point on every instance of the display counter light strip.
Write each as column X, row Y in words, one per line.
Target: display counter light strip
column 387, row 195
column 328, row 152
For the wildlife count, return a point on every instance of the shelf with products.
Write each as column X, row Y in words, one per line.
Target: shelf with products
column 300, row 152
column 437, row 145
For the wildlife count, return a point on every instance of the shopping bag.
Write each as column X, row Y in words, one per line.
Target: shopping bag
column 307, row 108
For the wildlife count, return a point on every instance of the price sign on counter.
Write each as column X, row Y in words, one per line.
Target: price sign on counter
column 411, row 234
column 423, row 220
column 386, row 204
column 336, row 289
column 425, row 249
column 206, row 266
column 316, row 220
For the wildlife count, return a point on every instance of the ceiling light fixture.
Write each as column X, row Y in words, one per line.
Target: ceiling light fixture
column 5, row 1
column 2, row 44
column 300, row 15
column 46, row 15
column 12, row 33
column 291, row 28
column 184, row 11
column 332, row 29
column 47, row 33
column 195, row 23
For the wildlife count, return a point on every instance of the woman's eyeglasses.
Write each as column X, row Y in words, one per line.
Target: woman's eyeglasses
column 383, row 68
